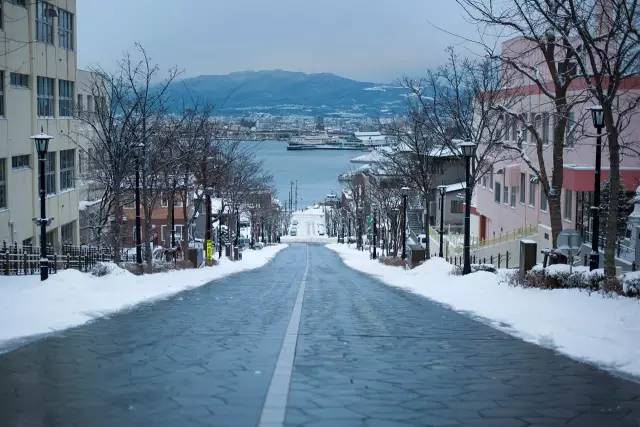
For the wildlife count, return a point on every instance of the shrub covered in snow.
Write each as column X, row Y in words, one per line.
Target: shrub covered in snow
column 102, row 269
column 631, row 284
column 489, row 268
column 560, row 276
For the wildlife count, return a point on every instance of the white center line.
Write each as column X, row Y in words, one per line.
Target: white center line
column 275, row 405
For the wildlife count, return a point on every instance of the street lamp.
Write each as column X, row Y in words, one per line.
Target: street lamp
column 41, row 141
column 468, row 151
column 359, row 245
column 597, row 115
column 442, row 189
column 138, row 151
column 405, row 194
column 375, row 235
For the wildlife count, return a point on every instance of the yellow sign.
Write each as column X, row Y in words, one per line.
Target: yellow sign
column 209, row 250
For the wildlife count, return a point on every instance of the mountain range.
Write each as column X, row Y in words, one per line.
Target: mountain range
column 288, row 92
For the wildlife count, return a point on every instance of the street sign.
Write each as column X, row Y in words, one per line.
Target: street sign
column 569, row 240
column 569, row 243
column 209, row 250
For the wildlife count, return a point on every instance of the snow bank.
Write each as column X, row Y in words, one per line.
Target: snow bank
column 599, row 329
column 71, row 298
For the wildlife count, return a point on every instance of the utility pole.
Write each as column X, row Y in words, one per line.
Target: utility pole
column 296, row 194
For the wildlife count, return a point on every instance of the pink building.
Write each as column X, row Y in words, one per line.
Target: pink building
column 510, row 198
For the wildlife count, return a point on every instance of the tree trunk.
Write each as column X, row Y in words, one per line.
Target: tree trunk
column 614, row 188
column 116, row 238
column 555, row 187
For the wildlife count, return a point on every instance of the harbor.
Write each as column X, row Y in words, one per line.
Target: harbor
column 357, row 141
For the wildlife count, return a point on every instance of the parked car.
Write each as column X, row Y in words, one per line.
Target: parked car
column 294, row 222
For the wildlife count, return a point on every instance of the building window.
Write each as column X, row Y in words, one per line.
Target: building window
column 21, row 162
column 67, row 169
column 65, row 98
column 50, row 173
column 570, row 130
column 568, row 204
column 44, row 22
column 512, row 201
column 65, row 29
column 66, row 233
column 456, row 206
column 491, row 177
column 505, row 196
column 497, row 193
column 89, row 103
column 80, row 104
column 3, row 184
column 544, row 202
column 525, row 120
column 22, row 3
column 545, row 128
column 523, row 186
column 19, row 80
column 45, row 97
column 1, row 93
column 533, row 190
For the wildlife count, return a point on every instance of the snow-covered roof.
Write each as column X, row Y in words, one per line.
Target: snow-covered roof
column 456, row 187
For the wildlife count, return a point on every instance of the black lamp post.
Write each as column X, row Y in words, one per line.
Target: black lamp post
column 359, row 228
column 138, row 147
column 468, row 151
column 442, row 189
column 375, row 235
column 220, row 212
column 597, row 115
column 405, row 194
column 41, row 141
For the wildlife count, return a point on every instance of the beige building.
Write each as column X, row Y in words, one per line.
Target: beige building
column 37, row 90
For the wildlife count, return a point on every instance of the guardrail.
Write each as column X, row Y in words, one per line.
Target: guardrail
column 25, row 259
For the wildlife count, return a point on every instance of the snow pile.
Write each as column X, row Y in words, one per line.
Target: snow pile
column 71, row 298
column 600, row 329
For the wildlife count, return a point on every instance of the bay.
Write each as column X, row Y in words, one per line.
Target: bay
column 315, row 170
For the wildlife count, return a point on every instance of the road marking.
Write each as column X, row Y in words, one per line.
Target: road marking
column 275, row 404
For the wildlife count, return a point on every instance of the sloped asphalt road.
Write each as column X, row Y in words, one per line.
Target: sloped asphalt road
column 367, row 354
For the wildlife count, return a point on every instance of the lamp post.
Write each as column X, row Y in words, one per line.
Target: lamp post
column 597, row 115
column 138, row 148
column 375, row 235
column 41, row 141
column 469, row 151
column 442, row 189
column 405, row 194
column 359, row 228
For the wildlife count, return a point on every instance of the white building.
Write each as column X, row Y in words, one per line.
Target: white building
column 37, row 91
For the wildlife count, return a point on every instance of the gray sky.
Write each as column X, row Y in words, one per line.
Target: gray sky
column 375, row 40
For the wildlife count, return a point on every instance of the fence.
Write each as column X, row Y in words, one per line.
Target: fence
column 25, row 259
column 499, row 260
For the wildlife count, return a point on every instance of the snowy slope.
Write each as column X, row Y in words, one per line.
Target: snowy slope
column 603, row 330
column 70, row 298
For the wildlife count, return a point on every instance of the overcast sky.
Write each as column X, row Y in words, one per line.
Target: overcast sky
column 374, row 40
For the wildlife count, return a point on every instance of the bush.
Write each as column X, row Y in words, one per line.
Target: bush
column 631, row 284
column 489, row 268
column 559, row 276
column 102, row 269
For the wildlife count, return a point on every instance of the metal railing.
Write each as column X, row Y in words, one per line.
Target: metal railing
column 499, row 260
column 20, row 260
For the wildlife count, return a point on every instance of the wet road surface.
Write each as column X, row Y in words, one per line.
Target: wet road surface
column 357, row 353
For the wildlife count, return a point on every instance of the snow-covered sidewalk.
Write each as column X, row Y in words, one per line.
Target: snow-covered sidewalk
column 29, row 308
column 603, row 330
